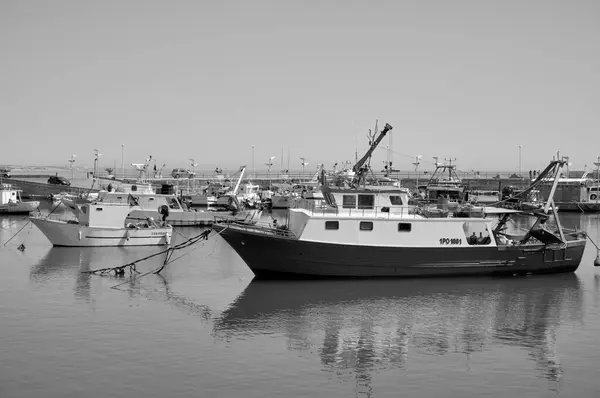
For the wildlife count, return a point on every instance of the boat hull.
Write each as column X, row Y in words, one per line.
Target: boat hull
column 290, row 258
column 579, row 207
column 19, row 207
column 61, row 233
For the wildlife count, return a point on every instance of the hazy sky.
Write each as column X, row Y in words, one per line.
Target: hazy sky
column 208, row 79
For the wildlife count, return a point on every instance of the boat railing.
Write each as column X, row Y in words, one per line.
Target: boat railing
column 451, row 210
column 64, row 217
column 259, row 227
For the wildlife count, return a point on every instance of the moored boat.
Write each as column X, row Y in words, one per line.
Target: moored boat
column 431, row 240
column 102, row 224
column 11, row 202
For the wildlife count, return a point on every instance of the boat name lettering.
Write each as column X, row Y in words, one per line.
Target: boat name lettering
column 450, row 241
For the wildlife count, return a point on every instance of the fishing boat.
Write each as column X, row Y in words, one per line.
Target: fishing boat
column 433, row 240
column 103, row 224
column 482, row 196
column 11, row 202
column 445, row 183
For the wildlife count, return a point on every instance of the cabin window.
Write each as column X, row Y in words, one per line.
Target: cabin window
column 329, row 199
column 366, row 201
column 366, row 226
column 151, row 199
column 98, row 208
column 396, row 200
column 404, row 227
column 349, row 201
column 84, row 209
column 332, row 225
column 119, row 197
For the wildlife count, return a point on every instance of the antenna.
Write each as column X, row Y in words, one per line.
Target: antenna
column 450, row 160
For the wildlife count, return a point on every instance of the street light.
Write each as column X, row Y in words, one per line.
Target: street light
column 122, row 164
column 520, row 146
column 417, row 163
column 304, row 164
column 72, row 160
column 253, row 169
column 270, row 164
column 97, row 154
column 597, row 164
column 568, row 164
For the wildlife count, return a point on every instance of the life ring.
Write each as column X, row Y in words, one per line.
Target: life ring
column 593, row 196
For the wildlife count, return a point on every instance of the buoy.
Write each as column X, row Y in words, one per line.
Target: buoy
column 22, row 248
column 597, row 260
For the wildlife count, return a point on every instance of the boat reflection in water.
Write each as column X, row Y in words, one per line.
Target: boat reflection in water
column 59, row 262
column 361, row 327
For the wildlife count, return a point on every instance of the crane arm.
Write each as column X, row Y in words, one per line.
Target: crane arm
column 374, row 144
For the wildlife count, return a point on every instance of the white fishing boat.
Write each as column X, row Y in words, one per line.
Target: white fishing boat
column 148, row 203
column 11, row 202
column 103, row 224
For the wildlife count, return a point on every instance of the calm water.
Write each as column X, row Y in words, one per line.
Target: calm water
column 205, row 329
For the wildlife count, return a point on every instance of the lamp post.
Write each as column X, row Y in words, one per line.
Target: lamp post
column 97, row 155
column 122, row 164
column 304, row 164
column 253, row 169
column 72, row 160
column 520, row 146
column 417, row 163
column 269, row 165
column 597, row 164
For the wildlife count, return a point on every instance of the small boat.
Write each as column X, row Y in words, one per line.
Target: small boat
column 11, row 202
column 103, row 224
column 482, row 196
column 429, row 240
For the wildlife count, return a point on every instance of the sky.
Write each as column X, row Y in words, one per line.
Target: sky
column 207, row 80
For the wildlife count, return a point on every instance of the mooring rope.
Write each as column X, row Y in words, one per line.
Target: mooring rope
column 204, row 236
column 121, row 268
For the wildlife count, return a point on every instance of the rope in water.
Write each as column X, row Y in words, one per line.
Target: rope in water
column 121, row 268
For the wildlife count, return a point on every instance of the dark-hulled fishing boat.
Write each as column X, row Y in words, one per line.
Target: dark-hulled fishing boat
column 430, row 240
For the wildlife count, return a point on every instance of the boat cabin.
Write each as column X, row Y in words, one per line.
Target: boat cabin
column 9, row 195
column 145, row 201
column 110, row 215
column 369, row 200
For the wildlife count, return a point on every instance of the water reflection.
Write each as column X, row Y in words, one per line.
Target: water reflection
column 59, row 261
column 179, row 301
column 361, row 327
